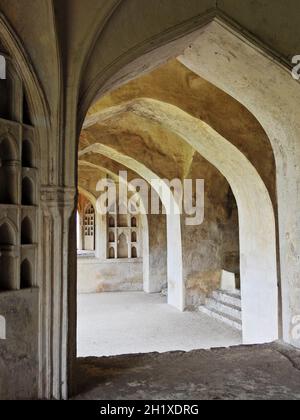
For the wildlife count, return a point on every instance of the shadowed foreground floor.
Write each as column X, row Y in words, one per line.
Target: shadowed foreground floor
column 253, row 372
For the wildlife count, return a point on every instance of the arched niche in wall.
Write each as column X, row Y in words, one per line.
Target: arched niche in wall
column 134, row 252
column 7, row 235
column 7, row 260
column 8, row 171
column 122, row 246
column 111, row 237
column 122, row 220
column 133, row 237
column 89, row 228
column 26, row 275
column 133, row 222
column 28, row 160
column 26, row 232
column 111, row 253
column 28, row 198
column 111, row 222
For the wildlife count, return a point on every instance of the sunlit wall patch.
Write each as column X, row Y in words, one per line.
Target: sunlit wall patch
column 2, row 67
column 2, row 328
column 296, row 68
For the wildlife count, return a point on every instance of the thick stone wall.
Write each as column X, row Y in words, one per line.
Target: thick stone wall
column 98, row 276
column 19, row 352
column 212, row 246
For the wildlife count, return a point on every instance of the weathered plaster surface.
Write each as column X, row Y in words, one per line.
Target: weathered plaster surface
column 65, row 67
column 273, row 96
column 96, row 276
column 19, row 352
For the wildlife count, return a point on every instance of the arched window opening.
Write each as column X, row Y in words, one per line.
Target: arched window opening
column 111, row 253
column 133, row 252
column 122, row 246
column 27, row 154
column 133, row 222
column 27, row 192
column 26, row 232
column 26, row 275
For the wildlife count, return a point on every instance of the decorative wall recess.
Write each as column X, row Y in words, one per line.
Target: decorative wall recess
column 89, row 228
column 28, row 198
column 122, row 246
column 122, row 236
column 26, row 275
column 133, row 252
column 111, row 237
column 18, row 187
column 8, row 260
column 133, row 237
column 7, row 235
column 26, row 232
column 111, row 222
column 9, row 171
column 111, row 253
column 27, row 154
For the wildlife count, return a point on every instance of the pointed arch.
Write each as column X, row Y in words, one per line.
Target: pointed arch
column 176, row 287
column 112, row 254
column 122, row 246
column 8, row 149
column 8, row 233
column 257, row 235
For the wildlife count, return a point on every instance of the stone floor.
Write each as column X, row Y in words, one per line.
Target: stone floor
column 240, row 373
column 129, row 323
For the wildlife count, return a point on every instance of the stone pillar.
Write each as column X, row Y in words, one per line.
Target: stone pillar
column 79, row 231
column 57, row 341
column 100, row 236
column 157, row 253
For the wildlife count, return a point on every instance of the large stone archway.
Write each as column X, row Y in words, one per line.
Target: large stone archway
column 101, row 225
column 256, row 215
column 270, row 93
column 280, row 122
column 176, row 289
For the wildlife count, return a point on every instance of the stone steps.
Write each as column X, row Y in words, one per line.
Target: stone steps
column 225, row 307
column 231, row 298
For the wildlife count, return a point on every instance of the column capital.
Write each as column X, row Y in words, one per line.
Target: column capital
column 57, row 196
